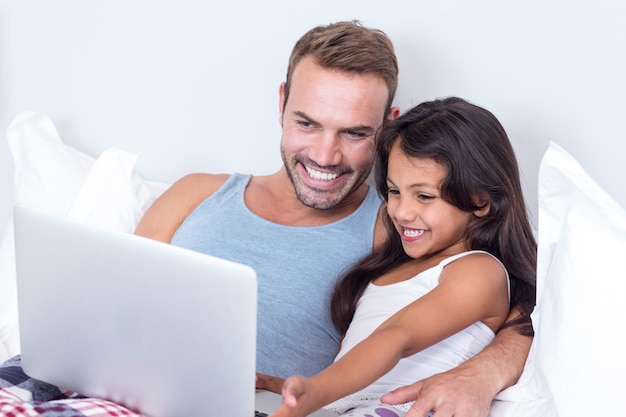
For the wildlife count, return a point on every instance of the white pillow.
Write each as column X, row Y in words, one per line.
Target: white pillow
column 581, row 285
column 59, row 178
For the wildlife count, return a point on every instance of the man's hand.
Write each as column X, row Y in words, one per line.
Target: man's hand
column 447, row 394
column 269, row 383
column 468, row 389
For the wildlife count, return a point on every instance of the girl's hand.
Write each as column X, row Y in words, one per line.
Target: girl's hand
column 297, row 396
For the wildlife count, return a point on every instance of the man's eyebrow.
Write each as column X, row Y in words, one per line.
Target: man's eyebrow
column 304, row 116
column 359, row 128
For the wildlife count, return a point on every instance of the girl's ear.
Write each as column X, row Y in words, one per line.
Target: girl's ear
column 485, row 206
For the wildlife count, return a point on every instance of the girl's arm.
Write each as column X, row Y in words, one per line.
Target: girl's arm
column 473, row 288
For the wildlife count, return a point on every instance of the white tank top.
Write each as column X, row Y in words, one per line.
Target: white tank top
column 380, row 302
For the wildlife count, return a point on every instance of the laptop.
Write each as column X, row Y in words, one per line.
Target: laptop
column 157, row 328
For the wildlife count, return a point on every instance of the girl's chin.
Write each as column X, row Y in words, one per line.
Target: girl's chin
column 412, row 251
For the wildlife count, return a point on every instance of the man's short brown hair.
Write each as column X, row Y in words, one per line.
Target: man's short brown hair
column 348, row 47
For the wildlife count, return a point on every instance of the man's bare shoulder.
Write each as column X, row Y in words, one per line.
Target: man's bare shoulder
column 199, row 185
column 191, row 190
column 171, row 209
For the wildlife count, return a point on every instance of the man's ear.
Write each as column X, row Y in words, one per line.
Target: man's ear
column 281, row 102
column 485, row 206
column 394, row 113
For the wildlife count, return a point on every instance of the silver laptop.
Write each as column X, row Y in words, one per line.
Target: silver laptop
column 160, row 329
column 157, row 328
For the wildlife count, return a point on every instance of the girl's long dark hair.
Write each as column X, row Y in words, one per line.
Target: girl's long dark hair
column 472, row 145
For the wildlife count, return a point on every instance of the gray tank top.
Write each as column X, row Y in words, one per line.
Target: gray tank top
column 297, row 268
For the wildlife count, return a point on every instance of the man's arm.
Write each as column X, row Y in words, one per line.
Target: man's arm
column 467, row 390
column 170, row 210
column 269, row 383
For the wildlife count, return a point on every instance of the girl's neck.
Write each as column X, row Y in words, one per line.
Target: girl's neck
column 409, row 269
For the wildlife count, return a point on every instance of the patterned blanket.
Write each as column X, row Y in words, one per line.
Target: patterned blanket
column 22, row 396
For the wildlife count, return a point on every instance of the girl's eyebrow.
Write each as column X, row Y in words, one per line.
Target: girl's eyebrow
column 416, row 185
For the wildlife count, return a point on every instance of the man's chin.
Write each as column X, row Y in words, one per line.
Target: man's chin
column 321, row 201
column 320, row 205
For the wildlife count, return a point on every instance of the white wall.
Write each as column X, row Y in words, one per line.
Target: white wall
column 193, row 85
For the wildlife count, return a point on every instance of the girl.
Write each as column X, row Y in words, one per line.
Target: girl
column 460, row 254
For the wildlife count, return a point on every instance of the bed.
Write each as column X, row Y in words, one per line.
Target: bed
column 128, row 96
column 581, row 234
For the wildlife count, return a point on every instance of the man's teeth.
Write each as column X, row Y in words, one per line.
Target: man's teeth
column 412, row 232
column 323, row 176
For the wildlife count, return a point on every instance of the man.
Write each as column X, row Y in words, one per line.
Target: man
column 304, row 225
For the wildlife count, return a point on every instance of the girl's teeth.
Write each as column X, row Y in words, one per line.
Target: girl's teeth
column 413, row 232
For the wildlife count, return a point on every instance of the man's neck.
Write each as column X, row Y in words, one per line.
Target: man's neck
column 273, row 198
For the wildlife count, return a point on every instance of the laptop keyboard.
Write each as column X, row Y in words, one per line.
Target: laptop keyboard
column 260, row 414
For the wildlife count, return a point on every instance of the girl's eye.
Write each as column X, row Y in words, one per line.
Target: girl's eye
column 425, row 197
column 392, row 191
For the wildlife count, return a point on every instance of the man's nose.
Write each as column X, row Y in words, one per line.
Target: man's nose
column 326, row 151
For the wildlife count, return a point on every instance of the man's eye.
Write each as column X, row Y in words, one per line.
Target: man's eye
column 305, row 124
column 355, row 134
